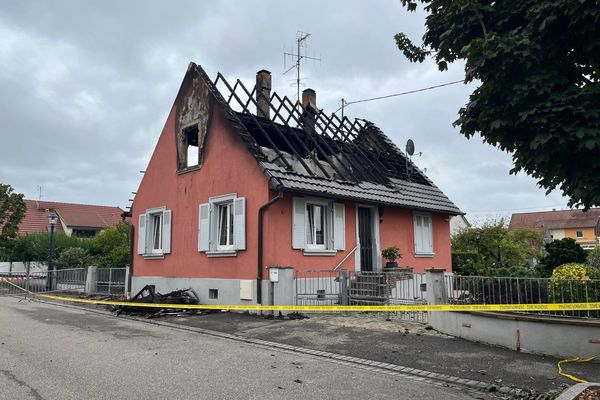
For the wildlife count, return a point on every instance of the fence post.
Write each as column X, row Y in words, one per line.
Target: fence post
column 344, row 287
column 127, row 284
column 436, row 287
column 91, row 280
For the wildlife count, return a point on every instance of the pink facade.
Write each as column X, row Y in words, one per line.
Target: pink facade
column 228, row 167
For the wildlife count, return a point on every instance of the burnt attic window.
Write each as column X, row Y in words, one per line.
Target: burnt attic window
column 191, row 154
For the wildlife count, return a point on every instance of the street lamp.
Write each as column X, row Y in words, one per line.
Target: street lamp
column 52, row 219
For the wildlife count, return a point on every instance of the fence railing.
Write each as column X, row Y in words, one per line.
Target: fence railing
column 512, row 290
column 108, row 281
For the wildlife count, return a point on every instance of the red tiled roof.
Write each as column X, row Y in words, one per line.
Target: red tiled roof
column 71, row 215
column 561, row 219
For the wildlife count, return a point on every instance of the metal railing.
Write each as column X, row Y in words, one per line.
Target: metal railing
column 110, row 281
column 512, row 290
column 321, row 287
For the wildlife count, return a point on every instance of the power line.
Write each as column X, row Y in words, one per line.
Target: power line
column 347, row 103
column 515, row 209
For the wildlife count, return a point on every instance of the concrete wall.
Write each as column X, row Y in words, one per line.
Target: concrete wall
column 19, row 267
column 540, row 335
column 230, row 290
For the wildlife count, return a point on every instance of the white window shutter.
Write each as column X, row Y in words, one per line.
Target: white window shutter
column 429, row 233
column 203, row 227
column 239, row 223
column 298, row 223
column 418, row 234
column 166, row 231
column 141, row 231
column 339, row 228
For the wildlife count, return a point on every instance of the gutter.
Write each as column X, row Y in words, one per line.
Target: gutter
column 259, row 278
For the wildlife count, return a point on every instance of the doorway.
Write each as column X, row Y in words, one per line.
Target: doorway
column 367, row 255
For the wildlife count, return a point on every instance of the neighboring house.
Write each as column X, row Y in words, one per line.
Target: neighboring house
column 458, row 223
column 228, row 193
column 583, row 226
column 82, row 220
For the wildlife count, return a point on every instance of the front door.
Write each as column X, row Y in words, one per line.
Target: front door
column 365, row 238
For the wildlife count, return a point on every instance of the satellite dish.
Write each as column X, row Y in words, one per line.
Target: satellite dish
column 410, row 147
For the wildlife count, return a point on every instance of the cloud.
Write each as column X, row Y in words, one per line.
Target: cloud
column 86, row 87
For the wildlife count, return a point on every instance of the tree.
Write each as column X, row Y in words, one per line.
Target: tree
column 494, row 250
column 538, row 64
column 559, row 252
column 594, row 257
column 12, row 212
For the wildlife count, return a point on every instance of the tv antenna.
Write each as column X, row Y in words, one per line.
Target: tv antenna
column 298, row 56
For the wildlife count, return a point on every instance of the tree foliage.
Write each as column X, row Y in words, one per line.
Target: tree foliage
column 12, row 211
column 494, row 250
column 538, row 65
column 594, row 257
column 108, row 249
column 559, row 252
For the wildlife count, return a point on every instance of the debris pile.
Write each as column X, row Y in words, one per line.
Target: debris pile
column 148, row 294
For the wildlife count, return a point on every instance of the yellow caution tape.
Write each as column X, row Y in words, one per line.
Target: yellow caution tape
column 381, row 308
column 577, row 359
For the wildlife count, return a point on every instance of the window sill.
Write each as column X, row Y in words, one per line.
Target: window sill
column 154, row 256
column 188, row 169
column 425, row 255
column 222, row 253
column 319, row 252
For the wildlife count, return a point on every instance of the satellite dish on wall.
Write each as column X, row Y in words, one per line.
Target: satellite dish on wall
column 410, row 147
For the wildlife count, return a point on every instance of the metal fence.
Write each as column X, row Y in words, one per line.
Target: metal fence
column 509, row 290
column 323, row 288
column 110, row 281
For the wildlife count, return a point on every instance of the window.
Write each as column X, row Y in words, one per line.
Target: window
column 315, row 226
column 222, row 226
column 189, row 148
column 318, row 226
column 423, row 234
column 225, row 230
column 154, row 232
column 579, row 234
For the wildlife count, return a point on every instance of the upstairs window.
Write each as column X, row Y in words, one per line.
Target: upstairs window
column 579, row 234
column 222, row 226
column 189, row 148
column 423, row 230
column 154, row 232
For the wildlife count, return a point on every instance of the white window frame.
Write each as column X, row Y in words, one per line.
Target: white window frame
column 228, row 205
column 420, row 251
column 147, row 233
column 326, row 210
column 208, row 228
column 334, row 226
column 152, row 233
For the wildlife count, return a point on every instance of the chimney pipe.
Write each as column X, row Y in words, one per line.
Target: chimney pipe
column 263, row 93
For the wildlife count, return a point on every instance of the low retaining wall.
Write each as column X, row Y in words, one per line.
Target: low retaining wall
column 558, row 337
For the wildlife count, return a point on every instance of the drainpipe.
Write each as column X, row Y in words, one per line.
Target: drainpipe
column 260, row 245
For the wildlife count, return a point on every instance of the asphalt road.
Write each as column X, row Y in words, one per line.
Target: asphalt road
column 52, row 352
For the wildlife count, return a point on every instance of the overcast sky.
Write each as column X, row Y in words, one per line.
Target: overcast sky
column 85, row 88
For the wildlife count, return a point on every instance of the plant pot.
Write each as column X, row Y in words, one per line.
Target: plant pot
column 391, row 264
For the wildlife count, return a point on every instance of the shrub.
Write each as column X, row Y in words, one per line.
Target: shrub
column 571, row 283
column 73, row 257
column 559, row 252
column 594, row 258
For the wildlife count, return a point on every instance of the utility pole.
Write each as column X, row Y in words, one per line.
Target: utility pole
column 301, row 43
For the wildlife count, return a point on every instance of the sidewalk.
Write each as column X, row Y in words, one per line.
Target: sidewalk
column 400, row 343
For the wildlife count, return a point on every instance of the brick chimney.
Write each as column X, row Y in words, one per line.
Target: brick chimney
column 309, row 99
column 309, row 103
column 263, row 93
